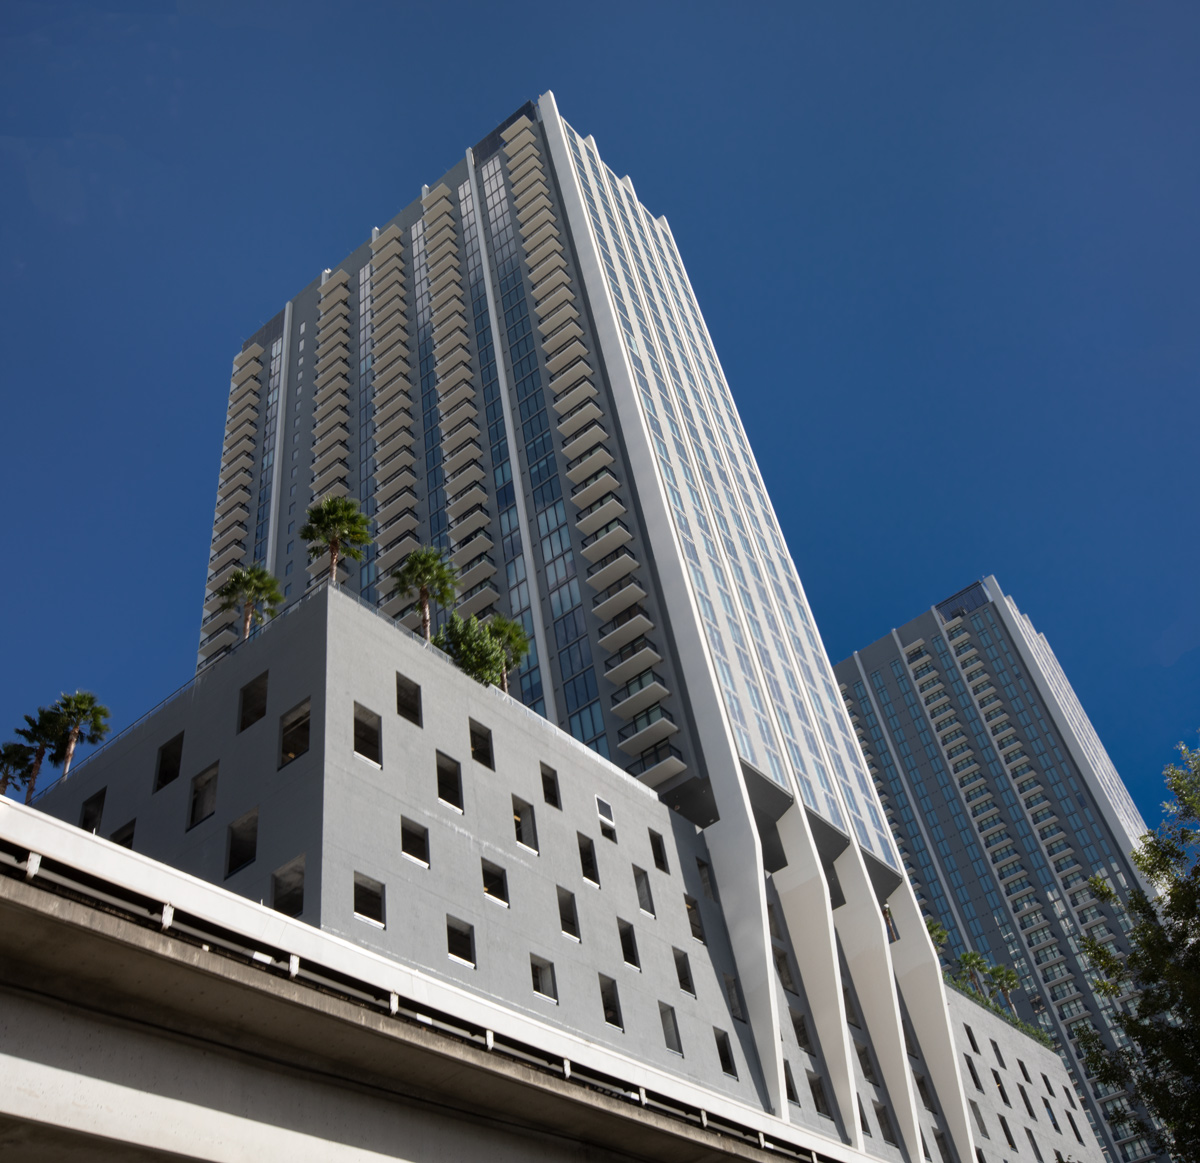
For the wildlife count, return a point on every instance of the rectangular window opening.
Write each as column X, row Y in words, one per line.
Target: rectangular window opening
column 694, row 918
column 706, row 879
column 587, row 859
column 851, row 1011
column 243, row 842
column 568, row 918
column 170, row 761
column 524, row 824
column 999, row 1056
column 495, row 882
column 683, row 971
column 92, row 811
column 971, row 1038
column 1012, row 1143
column 1033, row 1145
column 481, row 744
column 725, row 1052
column 368, row 729
column 978, row 1118
column 124, row 834
column 294, row 733
column 885, row 1124
column 414, row 841
column 670, row 1028
column 368, row 899
column 645, row 897
column 449, row 781
column 408, row 699
column 610, row 1001
column 543, row 977
column 864, row 1060
column 204, row 796
column 252, row 702
column 943, row 1147
column 659, row 851
column 550, row 787
column 733, row 992
column 816, row 1088
column 784, row 968
column 460, row 940
column 789, row 1084
column 287, row 888
column 800, row 1026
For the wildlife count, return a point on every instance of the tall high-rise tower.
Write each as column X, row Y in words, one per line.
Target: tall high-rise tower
column 515, row 369
column 1004, row 804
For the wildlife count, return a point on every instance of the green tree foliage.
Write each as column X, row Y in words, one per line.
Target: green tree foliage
column 937, row 934
column 513, row 641
column 43, row 733
column 428, row 574
column 255, row 590
column 1004, row 979
column 337, row 527
column 81, row 719
column 473, row 649
column 971, row 968
column 1161, row 1065
column 16, row 760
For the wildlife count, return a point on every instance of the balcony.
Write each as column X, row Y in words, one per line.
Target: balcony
column 448, row 280
column 638, row 655
column 336, row 470
column 575, row 395
column 246, row 392
column 566, row 313
column 593, row 434
column 626, row 626
column 338, row 397
column 399, row 486
column 231, row 499
column 461, row 389
column 331, row 435
column 657, row 765
column 396, row 550
column 229, row 532
column 463, row 454
column 554, row 300
column 605, row 540
column 469, row 548
column 569, row 376
column 642, row 691
column 580, row 415
column 453, row 437
column 243, row 459
column 463, row 500
column 619, row 596
column 531, row 225
column 397, row 423
column 334, row 453
column 477, row 569
column 249, row 370
column 240, row 478
column 477, row 599
column 566, row 355
column 588, row 464
column 468, row 522
column 599, row 513
column 219, row 640
column 603, row 574
column 646, row 729
column 592, row 488
column 231, row 514
column 245, row 413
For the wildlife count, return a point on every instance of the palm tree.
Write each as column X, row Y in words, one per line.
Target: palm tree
column 16, row 759
column 512, row 639
column 431, row 575
column 971, row 967
column 251, row 588
column 335, row 525
column 81, row 719
column 937, row 933
column 42, row 734
column 1005, row 979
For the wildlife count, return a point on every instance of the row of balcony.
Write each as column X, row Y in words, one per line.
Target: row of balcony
column 330, row 464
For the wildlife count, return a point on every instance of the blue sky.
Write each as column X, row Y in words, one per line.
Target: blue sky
column 948, row 254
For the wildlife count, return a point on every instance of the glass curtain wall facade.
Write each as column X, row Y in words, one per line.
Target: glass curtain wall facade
column 522, row 376
column 1004, row 803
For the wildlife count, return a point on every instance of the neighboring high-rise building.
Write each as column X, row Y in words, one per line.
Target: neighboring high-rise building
column 1004, row 803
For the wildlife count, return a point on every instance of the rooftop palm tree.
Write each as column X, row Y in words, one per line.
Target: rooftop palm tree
column 510, row 636
column 1004, row 980
column 336, row 526
column 81, row 719
column 42, row 734
column 250, row 589
column 15, row 761
column 433, row 578
column 971, row 967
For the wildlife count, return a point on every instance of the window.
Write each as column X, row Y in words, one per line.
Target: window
column 628, row 943
column 414, row 841
column 942, row 1146
column 725, row 1052
column 204, row 796
column 481, row 744
column 92, row 810
column 642, row 882
column 693, row 912
column 368, row 899
column 1049, row 1088
column 124, row 835
column 449, row 781
column 293, row 733
column 773, row 923
column 733, row 993
column 659, row 851
column 683, row 971
column 864, row 1060
column 670, row 1028
column 851, row 1011
column 924, row 1091
column 800, row 1026
column 1050, row 1115
column 610, row 1002
column 1074, row 1128
column 974, row 1075
column 1033, row 1145
column 789, row 1084
column 1070, row 1097
column 1000, row 1088
column 1012, row 1143
column 408, row 699
column 287, row 888
column 550, row 787
column 978, row 1118
column 979, row 1155
column 608, row 828
column 885, row 1124
column 460, row 940
column 999, row 1056
column 587, row 859
column 367, row 731
column 543, row 977
column 495, row 882
column 820, row 1099
column 706, row 879
column 170, row 760
column 1024, row 1072
column 1025, row 1100
column 567, row 916
column 243, row 842
column 524, row 824
column 784, row 969
column 252, row 703
column 925, row 1148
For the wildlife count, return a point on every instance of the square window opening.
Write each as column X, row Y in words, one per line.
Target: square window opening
column 414, row 841
column 610, row 1002
column 368, row 899
column 92, row 811
column 204, row 796
column 481, row 744
column 408, row 699
column 659, row 851
column 243, row 842
column 550, row 787
column 287, row 888
column 725, row 1053
column 170, row 761
column 495, row 882
column 524, row 824
column 460, row 940
column 252, row 702
column 368, row 734
column 544, row 982
column 568, row 918
column 449, row 781
column 294, row 732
